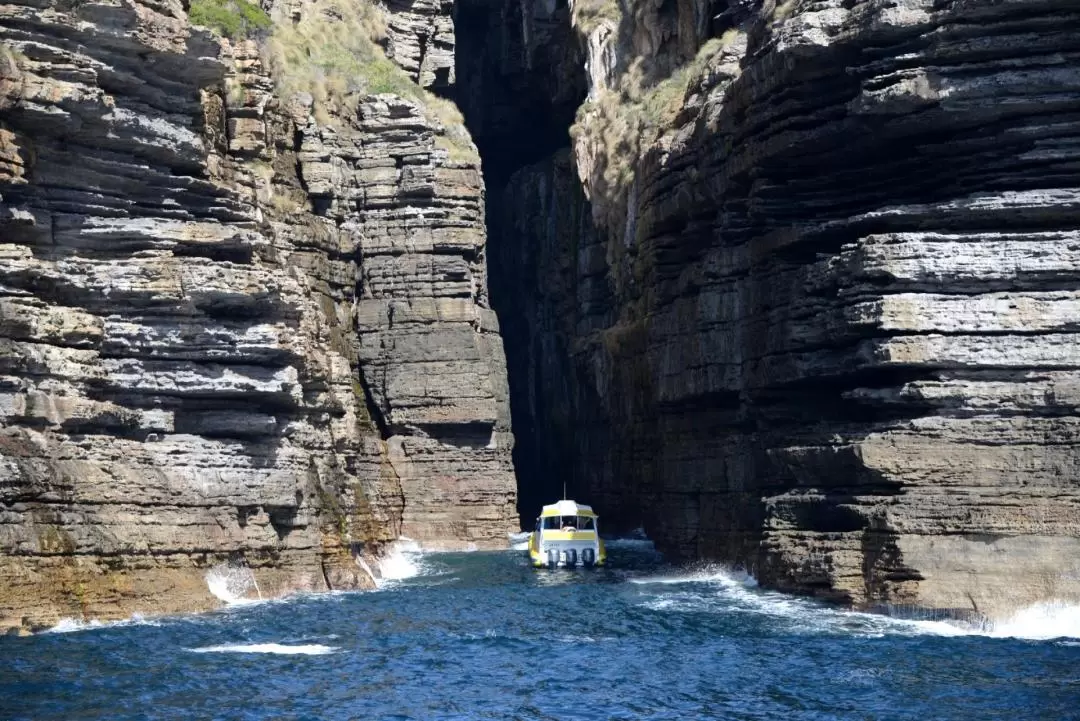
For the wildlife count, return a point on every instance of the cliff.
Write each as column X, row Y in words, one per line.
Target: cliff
column 811, row 309
column 240, row 321
column 795, row 291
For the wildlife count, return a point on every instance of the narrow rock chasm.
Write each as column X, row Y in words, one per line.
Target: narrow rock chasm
column 520, row 79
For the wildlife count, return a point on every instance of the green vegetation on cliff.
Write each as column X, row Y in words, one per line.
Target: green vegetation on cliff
column 333, row 53
column 235, row 19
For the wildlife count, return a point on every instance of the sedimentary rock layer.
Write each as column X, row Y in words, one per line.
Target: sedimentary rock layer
column 228, row 333
column 420, row 38
column 838, row 345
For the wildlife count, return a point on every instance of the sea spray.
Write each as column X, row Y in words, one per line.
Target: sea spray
column 400, row 561
column 1040, row 621
column 467, row 634
column 232, row 584
column 519, row 541
column 71, row 625
column 717, row 589
column 367, row 569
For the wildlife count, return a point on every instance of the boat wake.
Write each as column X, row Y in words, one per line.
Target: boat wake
column 713, row 589
column 310, row 649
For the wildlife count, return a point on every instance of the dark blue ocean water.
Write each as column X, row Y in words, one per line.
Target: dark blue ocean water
column 483, row 636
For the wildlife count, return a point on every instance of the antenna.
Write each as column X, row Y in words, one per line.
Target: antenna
column 564, row 490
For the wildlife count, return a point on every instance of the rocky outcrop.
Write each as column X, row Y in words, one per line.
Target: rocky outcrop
column 420, row 38
column 428, row 349
column 828, row 334
column 228, row 333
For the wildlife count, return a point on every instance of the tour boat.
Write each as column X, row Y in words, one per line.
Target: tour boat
column 567, row 535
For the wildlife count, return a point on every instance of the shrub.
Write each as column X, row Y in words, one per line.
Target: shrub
column 234, row 19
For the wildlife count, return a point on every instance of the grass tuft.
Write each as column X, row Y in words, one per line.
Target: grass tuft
column 234, row 19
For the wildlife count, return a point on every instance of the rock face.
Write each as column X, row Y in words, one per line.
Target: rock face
column 829, row 333
column 420, row 35
column 228, row 334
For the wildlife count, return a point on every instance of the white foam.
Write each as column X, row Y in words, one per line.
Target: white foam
column 1040, row 622
column 401, row 561
column 232, row 584
column 71, row 625
column 310, row 649
column 635, row 539
column 736, row 591
column 701, row 574
column 519, row 541
column 367, row 569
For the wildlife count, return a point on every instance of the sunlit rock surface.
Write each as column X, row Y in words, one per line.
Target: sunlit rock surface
column 199, row 361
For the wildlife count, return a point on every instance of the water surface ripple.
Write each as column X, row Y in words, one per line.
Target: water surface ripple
column 483, row 636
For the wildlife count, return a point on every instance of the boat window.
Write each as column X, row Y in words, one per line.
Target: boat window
column 579, row 523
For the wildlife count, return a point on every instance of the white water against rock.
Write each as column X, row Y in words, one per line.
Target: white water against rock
column 402, row 560
column 519, row 541
column 1047, row 620
column 715, row 589
column 72, row 625
column 458, row 635
column 233, row 584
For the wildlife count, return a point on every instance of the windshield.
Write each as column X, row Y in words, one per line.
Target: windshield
column 578, row 523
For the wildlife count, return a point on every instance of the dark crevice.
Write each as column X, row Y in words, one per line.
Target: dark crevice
column 373, row 408
column 520, row 79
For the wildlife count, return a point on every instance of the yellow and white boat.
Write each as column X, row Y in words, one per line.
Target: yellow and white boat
column 567, row 534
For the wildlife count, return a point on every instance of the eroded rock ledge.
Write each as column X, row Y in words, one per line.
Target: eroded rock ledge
column 228, row 333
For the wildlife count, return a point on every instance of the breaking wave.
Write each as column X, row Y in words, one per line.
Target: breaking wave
column 402, row 560
column 310, row 649
column 519, row 541
column 717, row 589
column 72, row 625
column 1041, row 621
column 232, row 584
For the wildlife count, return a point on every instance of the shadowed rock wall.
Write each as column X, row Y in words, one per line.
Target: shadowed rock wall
column 827, row 333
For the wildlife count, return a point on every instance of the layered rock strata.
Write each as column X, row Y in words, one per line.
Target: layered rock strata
column 199, row 360
column 420, row 38
column 837, row 341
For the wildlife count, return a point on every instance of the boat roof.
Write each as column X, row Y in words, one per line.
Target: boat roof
column 567, row 508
